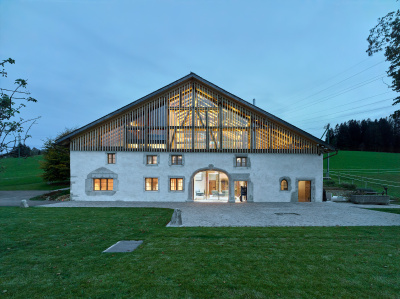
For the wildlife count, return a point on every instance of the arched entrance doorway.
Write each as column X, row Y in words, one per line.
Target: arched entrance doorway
column 210, row 185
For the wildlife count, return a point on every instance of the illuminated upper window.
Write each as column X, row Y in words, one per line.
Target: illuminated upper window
column 241, row 161
column 111, row 158
column 151, row 159
column 176, row 160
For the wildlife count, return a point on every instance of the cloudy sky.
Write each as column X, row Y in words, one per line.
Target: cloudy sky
column 303, row 61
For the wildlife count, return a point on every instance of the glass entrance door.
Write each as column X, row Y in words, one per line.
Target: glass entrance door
column 210, row 186
column 241, row 191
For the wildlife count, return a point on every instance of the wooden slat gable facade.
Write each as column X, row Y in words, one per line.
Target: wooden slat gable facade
column 193, row 117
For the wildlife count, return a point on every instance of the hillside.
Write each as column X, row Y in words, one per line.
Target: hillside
column 367, row 170
column 23, row 174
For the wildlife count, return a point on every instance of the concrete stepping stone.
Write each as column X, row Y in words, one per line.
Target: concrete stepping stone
column 124, row 246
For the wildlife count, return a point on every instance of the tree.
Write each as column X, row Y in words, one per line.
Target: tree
column 21, row 150
column 354, row 130
column 386, row 35
column 396, row 131
column 331, row 138
column 35, row 151
column 381, row 135
column 11, row 127
column 56, row 160
column 343, row 136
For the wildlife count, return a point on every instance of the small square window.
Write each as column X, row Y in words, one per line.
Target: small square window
column 176, row 160
column 151, row 184
column 103, row 184
column 111, row 158
column 151, row 160
column 176, row 184
column 241, row 161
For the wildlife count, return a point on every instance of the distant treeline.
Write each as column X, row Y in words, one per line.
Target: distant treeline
column 381, row 135
column 21, row 150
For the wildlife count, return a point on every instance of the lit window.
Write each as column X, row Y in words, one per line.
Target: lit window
column 103, row 184
column 151, row 160
column 241, row 161
column 176, row 159
column 176, row 184
column 284, row 185
column 111, row 158
column 151, row 184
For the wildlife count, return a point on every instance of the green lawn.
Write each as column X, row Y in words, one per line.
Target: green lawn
column 394, row 211
column 367, row 170
column 57, row 253
column 24, row 174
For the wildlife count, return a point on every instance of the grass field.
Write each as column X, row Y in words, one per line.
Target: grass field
column 394, row 211
column 57, row 253
column 367, row 170
column 24, row 174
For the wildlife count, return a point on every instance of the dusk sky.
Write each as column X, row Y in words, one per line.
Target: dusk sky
column 303, row 61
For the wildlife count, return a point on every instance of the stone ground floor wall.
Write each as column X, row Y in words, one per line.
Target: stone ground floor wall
column 263, row 173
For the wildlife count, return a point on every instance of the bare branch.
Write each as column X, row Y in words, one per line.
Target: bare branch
column 33, row 120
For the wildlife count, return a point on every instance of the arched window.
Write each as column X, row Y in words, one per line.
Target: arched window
column 284, row 185
column 210, row 185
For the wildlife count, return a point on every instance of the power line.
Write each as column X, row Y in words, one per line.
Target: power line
column 343, row 91
column 315, row 128
column 353, row 113
column 349, row 103
column 351, row 108
column 16, row 91
column 346, row 90
column 340, row 82
column 332, row 77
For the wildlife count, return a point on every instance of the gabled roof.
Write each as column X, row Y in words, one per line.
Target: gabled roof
column 66, row 139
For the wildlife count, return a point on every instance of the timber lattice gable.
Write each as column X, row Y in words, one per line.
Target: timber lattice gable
column 192, row 117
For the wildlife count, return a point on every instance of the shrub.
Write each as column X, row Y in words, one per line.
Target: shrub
column 55, row 162
column 329, row 183
column 348, row 186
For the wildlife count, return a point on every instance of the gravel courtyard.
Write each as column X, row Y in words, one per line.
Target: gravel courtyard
column 263, row 214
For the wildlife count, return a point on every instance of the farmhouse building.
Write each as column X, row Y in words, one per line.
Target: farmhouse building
column 193, row 141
